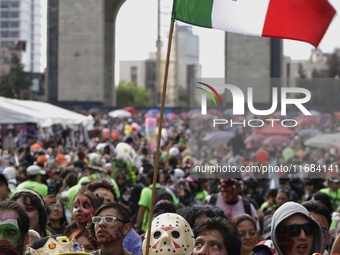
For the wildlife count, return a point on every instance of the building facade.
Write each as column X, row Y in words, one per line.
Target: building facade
column 21, row 21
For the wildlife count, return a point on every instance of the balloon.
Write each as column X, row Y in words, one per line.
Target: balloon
column 164, row 154
column 288, row 153
column 135, row 126
column 106, row 134
column 261, row 156
column 127, row 129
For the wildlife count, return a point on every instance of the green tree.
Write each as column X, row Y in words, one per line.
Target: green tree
column 130, row 95
column 15, row 81
column 301, row 71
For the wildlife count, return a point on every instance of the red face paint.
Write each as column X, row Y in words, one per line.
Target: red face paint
column 119, row 232
column 286, row 243
column 86, row 208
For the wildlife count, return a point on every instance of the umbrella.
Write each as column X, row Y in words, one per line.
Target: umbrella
column 191, row 112
column 309, row 132
column 171, row 115
column 131, row 110
column 119, row 114
column 276, row 140
column 152, row 112
column 185, row 115
column 336, row 144
column 216, row 138
column 276, row 129
column 322, row 141
column 307, row 121
column 214, row 112
column 255, row 138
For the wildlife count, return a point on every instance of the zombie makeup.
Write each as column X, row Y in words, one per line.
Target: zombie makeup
column 83, row 209
column 211, row 242
column 286, row 243
column 228, row 189
column 9, row 230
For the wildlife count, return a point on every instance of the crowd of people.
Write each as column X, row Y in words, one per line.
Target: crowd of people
column 99, row 194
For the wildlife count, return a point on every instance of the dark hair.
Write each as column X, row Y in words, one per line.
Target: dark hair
column 95, row 200
column 102, row 184
column 33, row 198
column 32, row 177
column 86, row 233
column 231, row 237
column 23, row 220
column 323, row 198
column 243, row 217
column 319, row 208
column 271, row 193
column 124, row 214
column 197, row 210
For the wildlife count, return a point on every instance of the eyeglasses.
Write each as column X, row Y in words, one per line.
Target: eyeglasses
column 324, row 231
column 56, row 206
column 295, row 230
column 207, row 208
column 107, row 219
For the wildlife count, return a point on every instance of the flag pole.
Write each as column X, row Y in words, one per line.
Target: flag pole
column 159, row 136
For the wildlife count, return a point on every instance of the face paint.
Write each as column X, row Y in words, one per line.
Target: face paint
column 286, row 243
column 119, row 232
column 9, row 230
column 85, row 209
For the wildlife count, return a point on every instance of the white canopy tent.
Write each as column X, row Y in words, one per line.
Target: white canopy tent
column 14, row 111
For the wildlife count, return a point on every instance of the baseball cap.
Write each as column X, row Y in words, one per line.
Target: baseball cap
column 265, row 245
column 34, row 169
column 334, row 179
column 3, row 178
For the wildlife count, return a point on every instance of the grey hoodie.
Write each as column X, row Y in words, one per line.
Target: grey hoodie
column 286, row 210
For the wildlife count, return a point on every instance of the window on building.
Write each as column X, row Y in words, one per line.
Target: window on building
column 14, row 24
column 134, row 74
column 15, row 4
column 4, row 24
column 5, row 44
column 4, row 5
column 14, row 34
column 4, row 14
column 4, row 34
column 14, row 14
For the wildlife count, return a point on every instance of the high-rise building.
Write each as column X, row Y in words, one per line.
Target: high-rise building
column 185, row 65
column 21, row 21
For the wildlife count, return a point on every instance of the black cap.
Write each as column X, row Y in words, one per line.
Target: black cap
column 334, row 179
column 165, row 205
column 3, row 179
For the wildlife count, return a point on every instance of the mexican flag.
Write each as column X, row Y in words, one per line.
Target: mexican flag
column 302, row 20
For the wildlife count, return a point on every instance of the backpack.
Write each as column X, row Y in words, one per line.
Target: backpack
column 162, row 194
column 246, row 203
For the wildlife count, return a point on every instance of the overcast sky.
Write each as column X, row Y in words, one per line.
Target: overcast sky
column 136, row 34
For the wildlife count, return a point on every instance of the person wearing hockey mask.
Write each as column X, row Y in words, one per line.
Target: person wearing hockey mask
column 170, row 233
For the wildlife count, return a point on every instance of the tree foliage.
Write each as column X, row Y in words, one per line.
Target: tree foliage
column 130, row 95
column 15, row 81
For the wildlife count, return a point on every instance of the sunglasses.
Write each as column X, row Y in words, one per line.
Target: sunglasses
column 107, row 219
column 284, row 190
column 207, row 208
column 295, row 230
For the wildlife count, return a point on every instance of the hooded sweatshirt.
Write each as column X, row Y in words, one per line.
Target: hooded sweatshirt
column 285, row 211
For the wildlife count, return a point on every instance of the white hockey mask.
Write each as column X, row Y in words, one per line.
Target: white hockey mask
column 178, row 176
column 170, row 233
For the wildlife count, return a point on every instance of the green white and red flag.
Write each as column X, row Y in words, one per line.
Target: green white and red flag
column 302, row 20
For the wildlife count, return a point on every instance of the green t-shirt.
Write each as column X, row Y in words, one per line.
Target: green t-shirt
column 200, row 196
column 73, row 191
column 33, row 185
column 145, row 200
column 334, row 196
